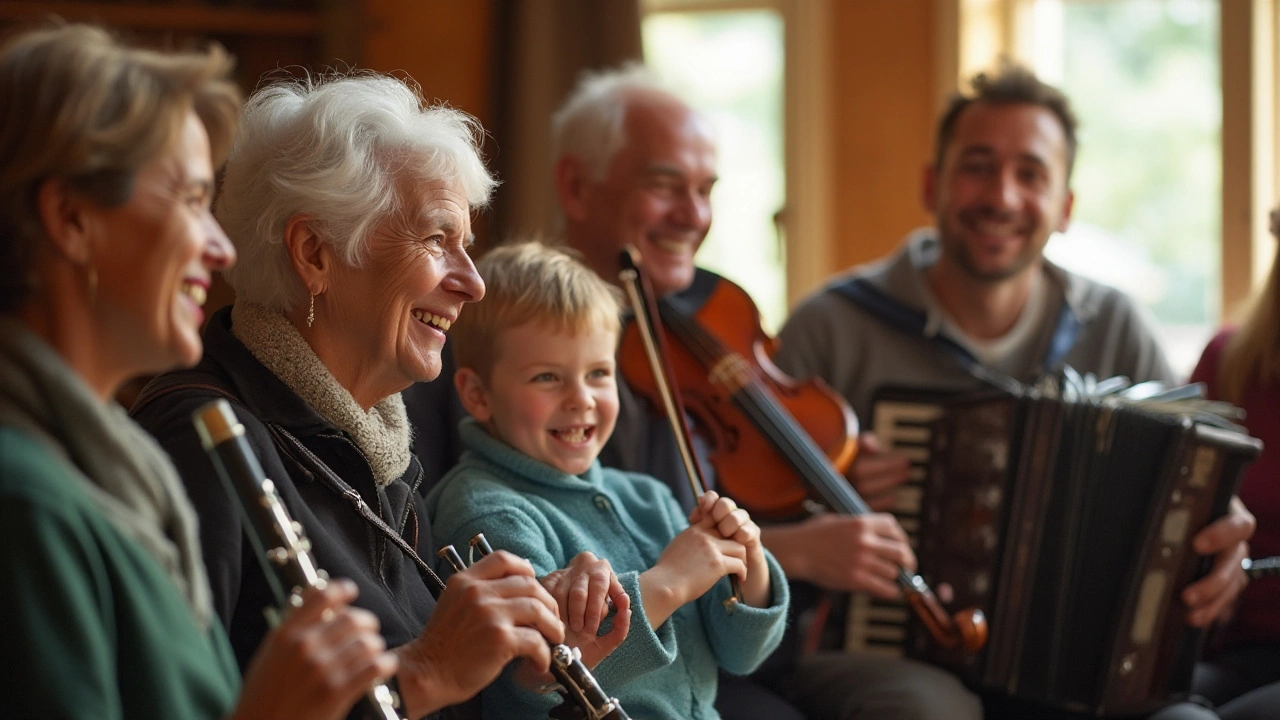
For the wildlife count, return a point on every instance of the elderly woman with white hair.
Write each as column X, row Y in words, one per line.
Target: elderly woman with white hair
column 350, row 204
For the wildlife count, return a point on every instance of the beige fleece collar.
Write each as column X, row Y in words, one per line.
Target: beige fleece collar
column 382, row 433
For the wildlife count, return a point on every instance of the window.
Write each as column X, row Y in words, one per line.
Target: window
column 1144, row 78
column 728, row 59
column 1177, row 109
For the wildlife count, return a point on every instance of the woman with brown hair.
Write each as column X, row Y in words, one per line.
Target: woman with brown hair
column 106, row 248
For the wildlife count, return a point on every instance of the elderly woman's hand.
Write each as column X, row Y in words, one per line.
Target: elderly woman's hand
column 490, row 614
column 318, row 662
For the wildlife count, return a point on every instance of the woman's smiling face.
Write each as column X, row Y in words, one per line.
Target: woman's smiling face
column 389, row 315
column 156, row 255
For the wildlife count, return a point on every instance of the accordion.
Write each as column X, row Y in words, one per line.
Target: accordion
column 1067, row 517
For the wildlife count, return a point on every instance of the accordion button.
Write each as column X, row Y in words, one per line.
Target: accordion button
column 1126, row 665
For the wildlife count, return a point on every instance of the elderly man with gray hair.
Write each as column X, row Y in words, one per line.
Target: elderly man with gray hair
column 350, row 205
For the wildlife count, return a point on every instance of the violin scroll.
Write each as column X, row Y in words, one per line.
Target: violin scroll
column 966, row 629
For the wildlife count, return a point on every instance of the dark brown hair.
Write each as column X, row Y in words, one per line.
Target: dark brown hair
column 1012, row 84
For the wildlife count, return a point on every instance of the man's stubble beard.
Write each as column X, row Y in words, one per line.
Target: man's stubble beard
column 959, row 255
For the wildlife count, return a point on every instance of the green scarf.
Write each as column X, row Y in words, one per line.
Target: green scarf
column 118, row 464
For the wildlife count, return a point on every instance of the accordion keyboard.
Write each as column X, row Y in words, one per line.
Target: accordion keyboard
column 880, row 626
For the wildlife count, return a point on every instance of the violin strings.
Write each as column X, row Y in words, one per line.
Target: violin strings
column 771, row 419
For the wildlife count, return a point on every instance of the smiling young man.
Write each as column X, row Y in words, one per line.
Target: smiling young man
column 977, row 292
column 998, row 188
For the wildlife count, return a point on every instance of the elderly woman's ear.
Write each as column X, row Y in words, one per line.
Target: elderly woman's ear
column 312, row 258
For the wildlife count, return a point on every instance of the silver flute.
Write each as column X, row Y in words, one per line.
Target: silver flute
column 277, row 539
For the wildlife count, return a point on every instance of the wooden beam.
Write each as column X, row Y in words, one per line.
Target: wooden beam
column 179, row 18
column 1248, row 42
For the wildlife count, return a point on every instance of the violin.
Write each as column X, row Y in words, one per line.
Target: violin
column 775, row 442
column 766, row 430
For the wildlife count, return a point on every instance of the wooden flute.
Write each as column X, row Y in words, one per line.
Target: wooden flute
column 277, row 539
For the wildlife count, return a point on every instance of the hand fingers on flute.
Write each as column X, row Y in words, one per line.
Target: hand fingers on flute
column 500, row 564
column 515, row 574
column 505, row 581
column 532, row 645
column 326, row 653
column 349, row 639
column 527, row 604
column 320, row 604
column 360, row 656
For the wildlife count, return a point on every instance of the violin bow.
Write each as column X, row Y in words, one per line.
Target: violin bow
column 645, row 307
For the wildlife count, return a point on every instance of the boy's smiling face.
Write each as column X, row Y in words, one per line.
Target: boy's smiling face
column 551, row 394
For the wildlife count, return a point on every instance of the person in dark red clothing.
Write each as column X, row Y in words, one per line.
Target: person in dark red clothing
column 1242, row 365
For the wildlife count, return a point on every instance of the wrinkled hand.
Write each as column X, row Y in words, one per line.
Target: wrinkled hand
column 876, row 473
column 1210, row 598
column 734, row 523
column 318, row 662
column 582, row 590
column 853, row 553
column 489, row 614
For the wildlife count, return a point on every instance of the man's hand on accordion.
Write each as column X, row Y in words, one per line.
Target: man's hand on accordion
column 877, row 474
column 1211, row 597
column 847, row 553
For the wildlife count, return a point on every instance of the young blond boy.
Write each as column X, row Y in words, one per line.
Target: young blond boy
column 536, row 372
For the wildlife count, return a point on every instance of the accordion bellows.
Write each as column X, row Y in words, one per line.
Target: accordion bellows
column 1068, row 520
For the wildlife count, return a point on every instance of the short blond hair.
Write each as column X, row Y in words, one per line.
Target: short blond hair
column 78, row 105
column 532, row 282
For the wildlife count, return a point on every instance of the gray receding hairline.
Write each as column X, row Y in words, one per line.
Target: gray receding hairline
column 335, row 148
column 590, row 124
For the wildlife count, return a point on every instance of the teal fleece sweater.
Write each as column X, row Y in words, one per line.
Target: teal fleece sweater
column 533, row 510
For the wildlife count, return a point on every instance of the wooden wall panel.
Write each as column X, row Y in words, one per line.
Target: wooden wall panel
column 446, row 45
column 883, row 104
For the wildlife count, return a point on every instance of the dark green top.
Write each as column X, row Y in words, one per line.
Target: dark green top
column 92, row 626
